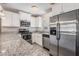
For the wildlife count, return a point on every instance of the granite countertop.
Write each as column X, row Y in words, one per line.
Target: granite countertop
column 42, row 32
column 13, row 45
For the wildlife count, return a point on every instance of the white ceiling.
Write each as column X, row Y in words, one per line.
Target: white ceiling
column 27, row 7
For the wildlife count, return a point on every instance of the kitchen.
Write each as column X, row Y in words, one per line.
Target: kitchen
column 39, row 29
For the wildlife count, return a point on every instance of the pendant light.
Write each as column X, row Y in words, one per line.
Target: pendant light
column 34, row 9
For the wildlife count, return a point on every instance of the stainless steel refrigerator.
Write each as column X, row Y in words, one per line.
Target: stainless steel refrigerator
column 64, row 34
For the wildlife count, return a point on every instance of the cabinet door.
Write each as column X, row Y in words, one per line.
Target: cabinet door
column 40, row 21
column 56, row 9
column 34, row 37
column 32, row 21
column 7, row 20
column 39, row 39
column 45, row 23
column 69, row 6
column 15, row 20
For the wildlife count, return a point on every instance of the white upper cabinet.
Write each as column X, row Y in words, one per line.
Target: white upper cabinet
column 59, row 8
column 33, row 22
column 40, row 21
column 25, row 16
column 11, row 19
column 70, row 6
column 6, row 21
column 56, row 9
column 45, row 21
column 36, row 22
column 15, row 20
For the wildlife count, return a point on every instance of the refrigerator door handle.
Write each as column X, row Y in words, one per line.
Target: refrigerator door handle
column 58, row 31
column 58, row 37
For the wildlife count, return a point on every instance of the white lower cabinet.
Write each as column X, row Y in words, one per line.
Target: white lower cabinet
column 37, row 38
column 33, row 37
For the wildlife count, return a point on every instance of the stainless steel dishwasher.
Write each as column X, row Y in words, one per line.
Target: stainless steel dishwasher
column 46, row 41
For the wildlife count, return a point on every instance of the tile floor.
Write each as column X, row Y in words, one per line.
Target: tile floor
column 11, row 44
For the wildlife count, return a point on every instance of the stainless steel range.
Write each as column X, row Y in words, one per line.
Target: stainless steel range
column 26, row 35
